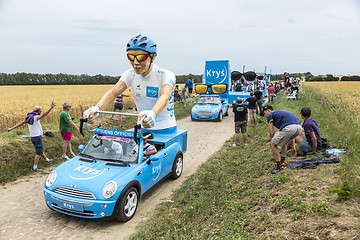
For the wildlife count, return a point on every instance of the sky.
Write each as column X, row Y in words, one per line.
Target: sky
column 89, row 37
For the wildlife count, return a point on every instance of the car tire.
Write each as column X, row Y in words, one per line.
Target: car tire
column 177, row 167
column 128, row 205
column 192, row 119
column 220, row 117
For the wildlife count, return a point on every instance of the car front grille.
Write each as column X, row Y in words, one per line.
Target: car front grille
column 204, row 112
column 74, row 193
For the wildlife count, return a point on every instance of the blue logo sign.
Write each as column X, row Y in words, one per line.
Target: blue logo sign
column 152, row 92
column 217, row 72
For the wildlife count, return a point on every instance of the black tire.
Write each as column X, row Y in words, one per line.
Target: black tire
column 220, row 117
column 177, row 167
column 192, row 119
column 128, row 205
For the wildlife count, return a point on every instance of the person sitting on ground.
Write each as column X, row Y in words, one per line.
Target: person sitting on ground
column 36, row 132
column 240, row 119
column 309, row 141
column 149, row 149
column 112, row 147
column 289, row 126
column 252, row 106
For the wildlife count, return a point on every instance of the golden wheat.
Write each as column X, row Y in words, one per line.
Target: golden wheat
column 16, row 101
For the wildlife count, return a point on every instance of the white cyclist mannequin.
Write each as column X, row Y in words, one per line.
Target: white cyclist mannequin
column 152, row 87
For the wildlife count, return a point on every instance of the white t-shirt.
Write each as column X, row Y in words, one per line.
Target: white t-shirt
column 35, row 129
column 115, row 148
column 147, row 90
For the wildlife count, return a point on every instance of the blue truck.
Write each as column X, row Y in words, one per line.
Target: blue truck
column 214, row 92
column 100, row 183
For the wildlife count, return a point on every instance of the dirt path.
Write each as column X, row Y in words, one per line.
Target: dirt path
column 24, row 214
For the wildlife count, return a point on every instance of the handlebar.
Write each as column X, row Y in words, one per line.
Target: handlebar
column 137, row 126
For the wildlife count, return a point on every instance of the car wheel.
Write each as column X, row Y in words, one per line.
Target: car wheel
column 192, row 119
column 177, row 167
column 220, row 117
column 128, row 205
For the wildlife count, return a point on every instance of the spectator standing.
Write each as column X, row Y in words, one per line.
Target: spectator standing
column 184, row 93
column 177, row 94
column 33, row 121
column 271, row 92
column 190, row 84
column 309, row 141
column 252, row 106
column 66, row 126
column 240, row 118
column 119, row 104
column 259, row 97
column 290, row 128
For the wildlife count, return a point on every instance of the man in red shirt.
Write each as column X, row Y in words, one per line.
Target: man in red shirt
column 271, row 92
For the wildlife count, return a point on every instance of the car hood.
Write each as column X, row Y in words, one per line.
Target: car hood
column 82, row 175
column 207, row 107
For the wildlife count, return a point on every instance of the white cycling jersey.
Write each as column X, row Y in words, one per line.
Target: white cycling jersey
column 147, row 90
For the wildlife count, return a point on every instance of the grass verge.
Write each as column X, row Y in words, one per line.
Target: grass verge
column 233, row 196
column 17, row 155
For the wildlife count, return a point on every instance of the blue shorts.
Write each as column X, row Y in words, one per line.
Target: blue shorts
column 119, row 106
column 38, row 144
column 305, row 146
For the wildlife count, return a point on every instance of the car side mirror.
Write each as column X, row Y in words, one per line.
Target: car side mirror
column 194, row 102
column 222, row 101
column 154, row 158
column 81, row 147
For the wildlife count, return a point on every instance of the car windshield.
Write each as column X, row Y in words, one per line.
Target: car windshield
column 116, row 149
column 209, row 100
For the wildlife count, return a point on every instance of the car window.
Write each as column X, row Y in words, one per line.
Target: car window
column 112, row 148
column 209, row 100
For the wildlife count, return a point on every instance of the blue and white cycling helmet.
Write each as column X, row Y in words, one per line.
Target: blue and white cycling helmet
column 141, row 42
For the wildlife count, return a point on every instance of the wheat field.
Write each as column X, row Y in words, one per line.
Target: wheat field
column 346, row 91
column 17, row 101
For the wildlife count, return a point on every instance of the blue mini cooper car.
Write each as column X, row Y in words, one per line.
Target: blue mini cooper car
column 108, row 177
column 210, row 107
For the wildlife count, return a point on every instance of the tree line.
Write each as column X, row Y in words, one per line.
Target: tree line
column 69, row 79
column 84, row 79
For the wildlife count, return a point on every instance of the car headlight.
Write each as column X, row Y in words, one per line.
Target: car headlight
column 216, row 110
column 193, row 110
column 50, row 179
column 109, row 189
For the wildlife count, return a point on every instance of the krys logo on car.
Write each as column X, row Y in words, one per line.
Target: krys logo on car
column 88, row 172
column 156, row 170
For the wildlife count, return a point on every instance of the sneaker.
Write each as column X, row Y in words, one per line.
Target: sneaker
column 37, row 169
column 72, row 154
column 111, row 118
column 283, row 166
column 234, row 145
column 65, row 157
column 245, row 144
column 277, row 168
column 48, row 160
